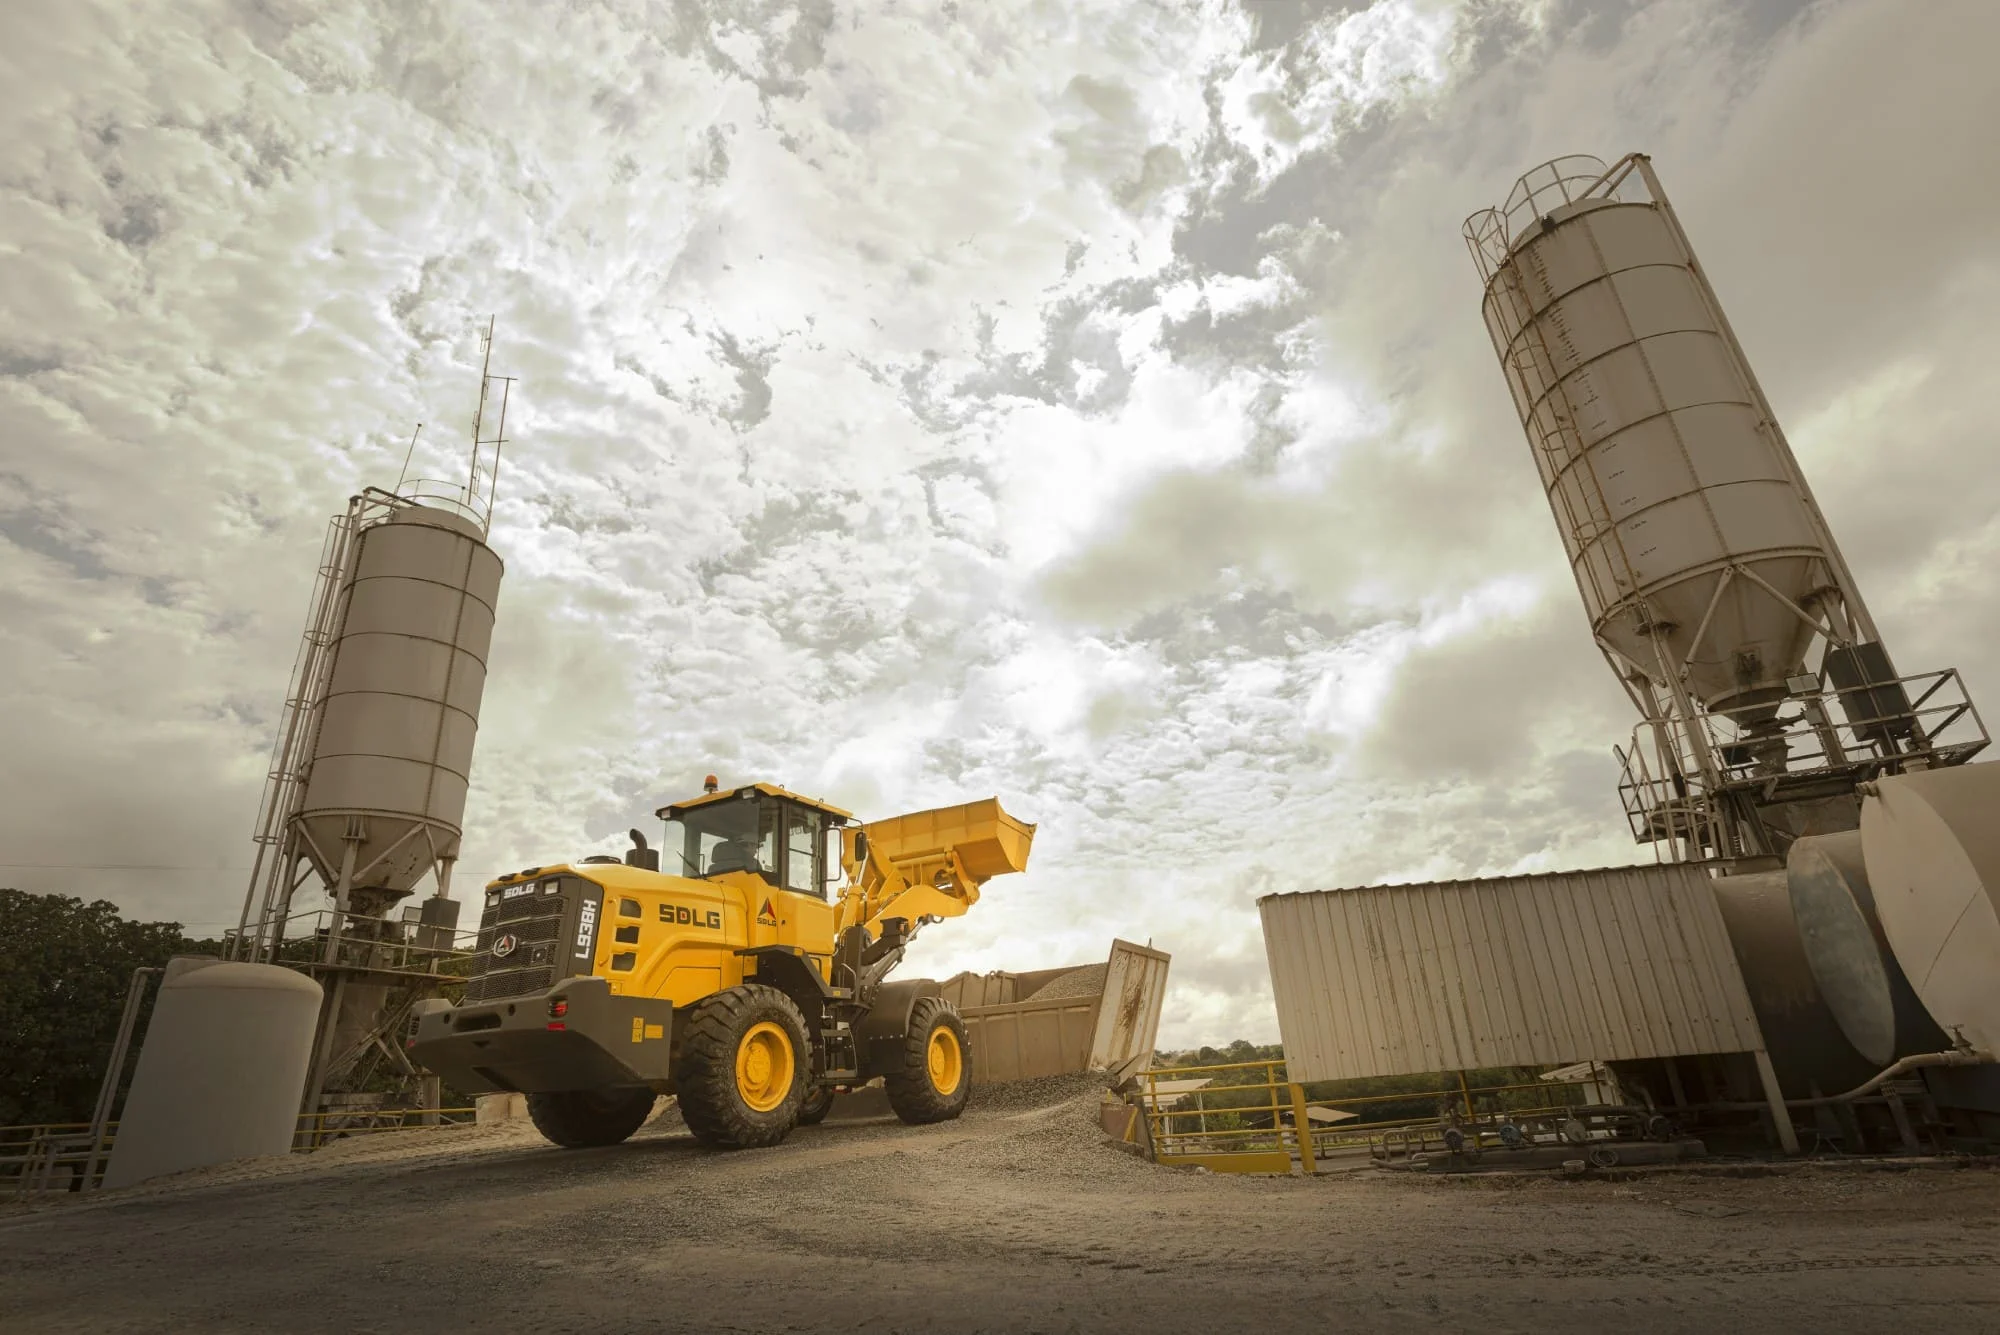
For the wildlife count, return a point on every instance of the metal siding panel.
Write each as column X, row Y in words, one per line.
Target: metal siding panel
column 1617, row 913
column 1674, row 969
column 1299, row 996
column 1569, row 1026
column 1529, row 970
column 1417, row 1012
column 1592, row 981
column 1308, row 1018
column 1351, row 933
column 1370, row 1040
column 1453, row 917
column 1656, row 1011
column 1447, row 1033
column 1339, row 1038
column 1397, row 981
column 1649, row 1023
column 1330, row 1039
column 1530, row 975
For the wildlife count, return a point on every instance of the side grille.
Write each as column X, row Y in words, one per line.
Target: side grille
column 535, row 921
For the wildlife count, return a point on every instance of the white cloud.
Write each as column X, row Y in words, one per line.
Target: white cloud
column 1071, row 402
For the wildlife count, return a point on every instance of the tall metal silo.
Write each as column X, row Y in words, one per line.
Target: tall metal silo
column 369, row 773
column 384, row 790
column 1712, row 582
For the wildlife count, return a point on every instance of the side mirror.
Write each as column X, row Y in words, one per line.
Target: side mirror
column 861, row 845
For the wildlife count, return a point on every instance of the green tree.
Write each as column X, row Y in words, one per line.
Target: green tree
column 64, row 969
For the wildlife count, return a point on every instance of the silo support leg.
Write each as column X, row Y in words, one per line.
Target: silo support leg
column 1781, row 1117
column 322, row 1055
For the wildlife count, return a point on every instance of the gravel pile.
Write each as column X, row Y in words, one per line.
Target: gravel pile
column 1008, row 1097
column 1076, row 983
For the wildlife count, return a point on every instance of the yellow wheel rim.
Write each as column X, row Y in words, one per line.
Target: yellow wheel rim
column 764, row 1067
column 945, row 1060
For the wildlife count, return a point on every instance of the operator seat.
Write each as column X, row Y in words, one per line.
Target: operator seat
column 733, row 855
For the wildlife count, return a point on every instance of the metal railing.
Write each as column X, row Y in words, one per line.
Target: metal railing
column 60, row 1156
column 1252, row 1126
column 323, row 1128
column 1185, row 1130
column 1849, row 734
column 384, row 945
column 51, row 1156
column 1490, row 233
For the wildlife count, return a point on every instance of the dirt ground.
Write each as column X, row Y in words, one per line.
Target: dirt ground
column 1016, row 1218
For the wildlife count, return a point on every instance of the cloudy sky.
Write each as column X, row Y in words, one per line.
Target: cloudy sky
column 1084, row 403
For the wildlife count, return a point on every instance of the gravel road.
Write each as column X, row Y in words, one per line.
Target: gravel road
column 1018, row 1217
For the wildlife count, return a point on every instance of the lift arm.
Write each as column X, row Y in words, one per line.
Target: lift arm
column 927, row 865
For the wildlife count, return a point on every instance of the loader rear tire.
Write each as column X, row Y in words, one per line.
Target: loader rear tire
column 744, row 1067
column 581, row 1119
column 936, row 1076
column 817, row 1104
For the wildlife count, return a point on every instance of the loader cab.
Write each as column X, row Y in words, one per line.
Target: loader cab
column 788, row 841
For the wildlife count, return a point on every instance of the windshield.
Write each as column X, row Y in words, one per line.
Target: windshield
column 779, row 841
column 739, row 835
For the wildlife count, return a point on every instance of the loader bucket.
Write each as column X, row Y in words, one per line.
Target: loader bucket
column 989, row 842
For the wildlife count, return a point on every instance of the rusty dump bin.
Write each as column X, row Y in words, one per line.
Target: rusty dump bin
column 1089, row 1017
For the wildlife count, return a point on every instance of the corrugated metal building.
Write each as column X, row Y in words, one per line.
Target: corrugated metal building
column 1609, row 965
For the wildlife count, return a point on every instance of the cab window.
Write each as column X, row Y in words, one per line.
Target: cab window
column 802, row 826
column 742, row 834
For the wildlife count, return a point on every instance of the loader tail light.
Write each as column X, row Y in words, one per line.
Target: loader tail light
column 558, row 1008
column 557, row 1024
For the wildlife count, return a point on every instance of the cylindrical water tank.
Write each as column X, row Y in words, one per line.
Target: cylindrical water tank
column 221, row 1071
column 1808, row 1049
column 1850, row 956
column 1644, row 421
column 1931, row 841
column 395, row 735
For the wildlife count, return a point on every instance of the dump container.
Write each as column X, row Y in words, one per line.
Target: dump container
column 1089, row 1017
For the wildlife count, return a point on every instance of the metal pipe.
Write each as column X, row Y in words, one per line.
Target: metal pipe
column 1955, row 1057
column 107, row 1093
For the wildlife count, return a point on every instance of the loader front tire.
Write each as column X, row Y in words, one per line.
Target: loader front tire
column 936, row 1075
column 744, row 1067
column 581, row 1119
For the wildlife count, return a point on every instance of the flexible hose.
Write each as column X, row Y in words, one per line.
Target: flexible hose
column 1955, row 1057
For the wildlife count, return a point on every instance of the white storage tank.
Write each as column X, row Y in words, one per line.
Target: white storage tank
column 1849, row 952
column 1809, row 1047
column 394, row 739
column 1931, row 841
column 221, row 1071
column 1687, row 521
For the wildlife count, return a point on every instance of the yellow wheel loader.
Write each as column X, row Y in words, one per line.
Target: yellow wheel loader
column 730, row 978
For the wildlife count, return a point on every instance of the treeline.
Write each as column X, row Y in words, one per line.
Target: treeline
column 65, row 966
